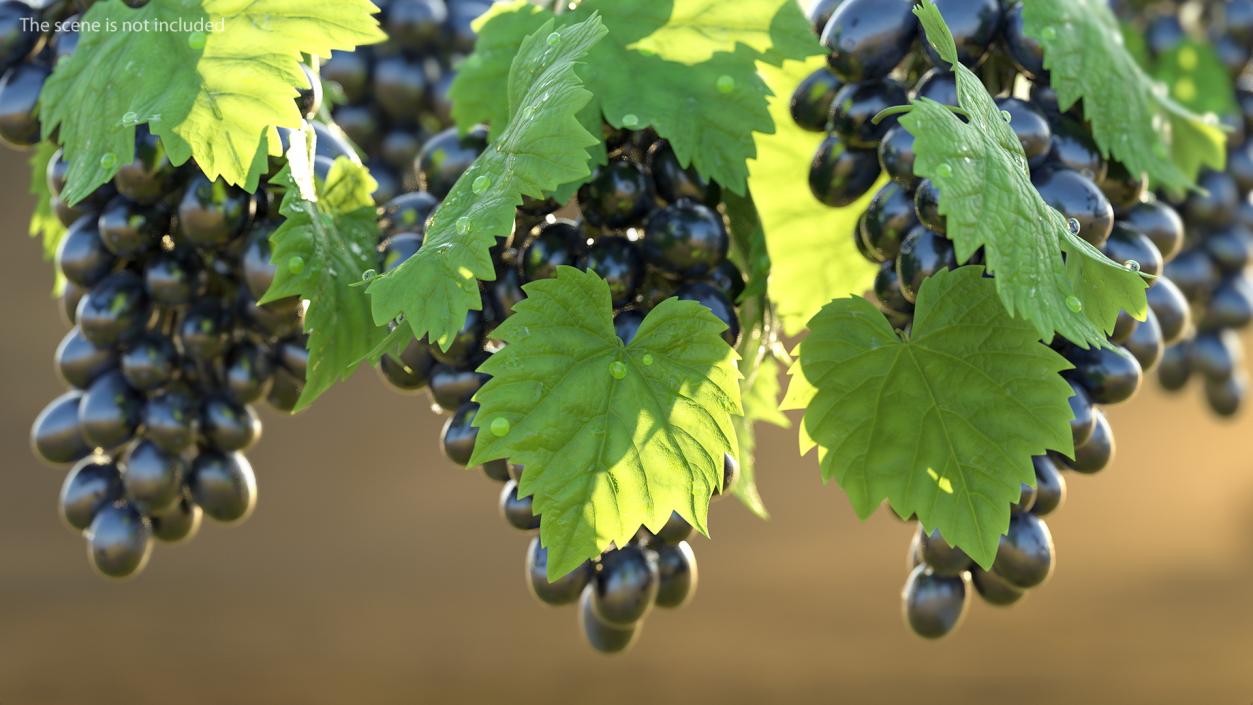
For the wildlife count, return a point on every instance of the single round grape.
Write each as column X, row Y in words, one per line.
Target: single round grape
column 94, row 483
column 618, row 195
column 1170, row 308
column 1024, row 49
column 866, row 39
column 897, row 157
column 110, row 410
column 619, row 262
column 923, row 254
column 458, row 436
column 927, row 207
column 1109, row 375
column 129, row 230
column 940, row 557
column 212, row 213
column 934, row 605
column 840, row 174
column 717, row 302
column 811, row 101
column 114, row 310
column 1074, row 148
column 1175, row 368
column 1146, row 344
column 994, row 589
column 119, row 541
column 676, row 573
column 601, row 635
column 1096, row 453
column 1231, row 304
column 1214, row 203
column 1078, row 198
column 452, row 387
column 446, row 156
column 249, row 373
column 82, row 256
column 205, row 331
column 170, row 420
column 170, row 280
column 686, row 238
column 401, row 89
column 625, row 588
column 467, row 341
column 1226, row 397
column 673, row 182
column 1230, row 247
column 889, row 218
column 562, row 591
column 515, row 510
column 1122, row 188
column 149, row 362
column 153, row 477
column 416, row 25
column 149, row 176
column 57, row 436
column 975, row 25
column 1158, row 222
column 1194, row 273
column 178, row 523
column 20, row 87
column 855, row 106
column 937, row 84
column 1025, row 555
column 553, row 245
column 229, row 426
column 887, row 289
column 286, row 391
column 79, row 362
column 727, row 278
column 223, row 485
column 351, row 72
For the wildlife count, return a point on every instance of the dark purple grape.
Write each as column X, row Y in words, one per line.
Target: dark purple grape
column 94, row 483
column 445, row 157
column 57, row 435
column 565, row 589
column 223, row 485
column 618, row 195
column 80, row 362
column 153, row 477
column 868, row 38
column 934, row 605
column 110, row 411
column 676, row 572
column 686, row 238
column 119, row 541
column 839, row 174
column 812, row 99
column 82, row 256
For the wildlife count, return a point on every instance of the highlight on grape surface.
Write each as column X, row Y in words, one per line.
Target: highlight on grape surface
column 611, row 241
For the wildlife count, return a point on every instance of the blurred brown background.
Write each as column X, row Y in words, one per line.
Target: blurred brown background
column 376, row 572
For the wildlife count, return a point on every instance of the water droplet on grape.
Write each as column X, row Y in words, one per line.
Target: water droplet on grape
column 196, row 40
column 553, row 39
column 725, row 84
column 944, row 171
column 648, row 359
column 630, row 120
column 463, row 224
column 1074, row 304
column 1073, row 226
column 296, row 264
column 500, row 427
column 1132, row 265
column 108, row 160
column 617, row 369
column 481, row 184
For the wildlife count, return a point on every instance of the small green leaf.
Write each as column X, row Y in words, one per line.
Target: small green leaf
column 44, row 223
column 943, row 425
column 320, row 252
column 986, row 193
column 612, row 436
column 542, row 147
column 211, row 78
column 1196, row 78
column 1132, row 117
column 804, row 276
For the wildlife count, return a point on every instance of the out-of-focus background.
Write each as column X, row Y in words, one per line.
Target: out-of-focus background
column 374, row 571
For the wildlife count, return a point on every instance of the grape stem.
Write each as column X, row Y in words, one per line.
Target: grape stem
column 901, row 109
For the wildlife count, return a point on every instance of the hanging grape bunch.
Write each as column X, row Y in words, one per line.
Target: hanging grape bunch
column 1212, row 268
column 652, row 230
column 168, row 350
column 391, row 98
column 877, row 62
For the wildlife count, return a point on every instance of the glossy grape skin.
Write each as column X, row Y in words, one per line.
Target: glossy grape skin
column 1175, row 369
column 940, row 557
column 1083, row 421
column 686, row 238
column 730, row 475
column 626, row 586
column 855, row 106
column 934, row 605
column 19, row 96
column 887, row 289
column 129, row 231
column 91, row 485
column 1030, row 126
column 18, row 33
column 1074, row 148
column 1194, row 273
column 839, row 174
column 602, row 636
column 994, row 589
column 1230, row 305
column 676, row 573
column 727, row 278
column 896, row 157
column 170, row 420
column 1216, row 206
column 1024, row 50
column 227, row 425
column 975, row 25
column 890, row 217
column 445, row 157
column 350, row 71
column 178, row 523
column 79, row 362
column 452, row 387
column 1145, row 343
column 1078, row 198
column 553, row 245
column 618, row 195
column 1226, row 397
column 249, row 373
column 1216, row 354
column 412, row 370
column 927, row 207
column 1024, row 557
column 812, row 99
column 149, row 362
column 673, row 182
column 939, row 85
column 619, row 262
column 467, row 341
column 416, row 25
column 457, row 440
column 211, row 213
column 149, row 176
column 1158, row 222
column 400, row 89
column 923, row 254
column 82, row 256
column 565, row 589
column 169, row 280
column 56, row 436
column 1230, row 248
column 205, row 332
column 110, row 411
column 1122, row 188
column 223, row 485
column 675, row 530
column 119, row 541
column 285, row 392
column 819, row 13
column 71, row 296
column 718, row 303
column 515, row 510
column 866, row 39
column 1050, row 486
column 153, row 478
column 1095, row 454
column 407, row 213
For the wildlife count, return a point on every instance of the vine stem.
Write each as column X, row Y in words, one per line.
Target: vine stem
column 901, row 109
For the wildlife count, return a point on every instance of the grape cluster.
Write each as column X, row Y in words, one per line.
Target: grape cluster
column 1213, row 268
column 652, row 230
column 877, row 60
column 169, row 348
column 391, row 98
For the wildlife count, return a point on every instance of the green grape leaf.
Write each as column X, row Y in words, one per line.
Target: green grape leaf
column 942, row 425
column 321, row 251
column 1132, row 117
column 1196, row 78
column 697, row 57
column 986, row 193
column 803, row 277
column 44, row 223
column 612, row 436
column 211, row 78
column 542, row 147
column 484, row 75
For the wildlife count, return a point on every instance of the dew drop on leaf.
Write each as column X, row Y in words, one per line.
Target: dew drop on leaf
column 725, row 84
column 130, row 119
column 630, row 120
column 196, row 40
column 500, row 427
column 648, row 359
column 368, row 275
column 463, row 225
column 296, row 264
column 1005, row 114
column 1132, row 265
column 1074, row 304
column 617, row 369
column 108, row 160
column 553, row 39
column 1073, row 226
column 944, row 171
column 481, row 184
